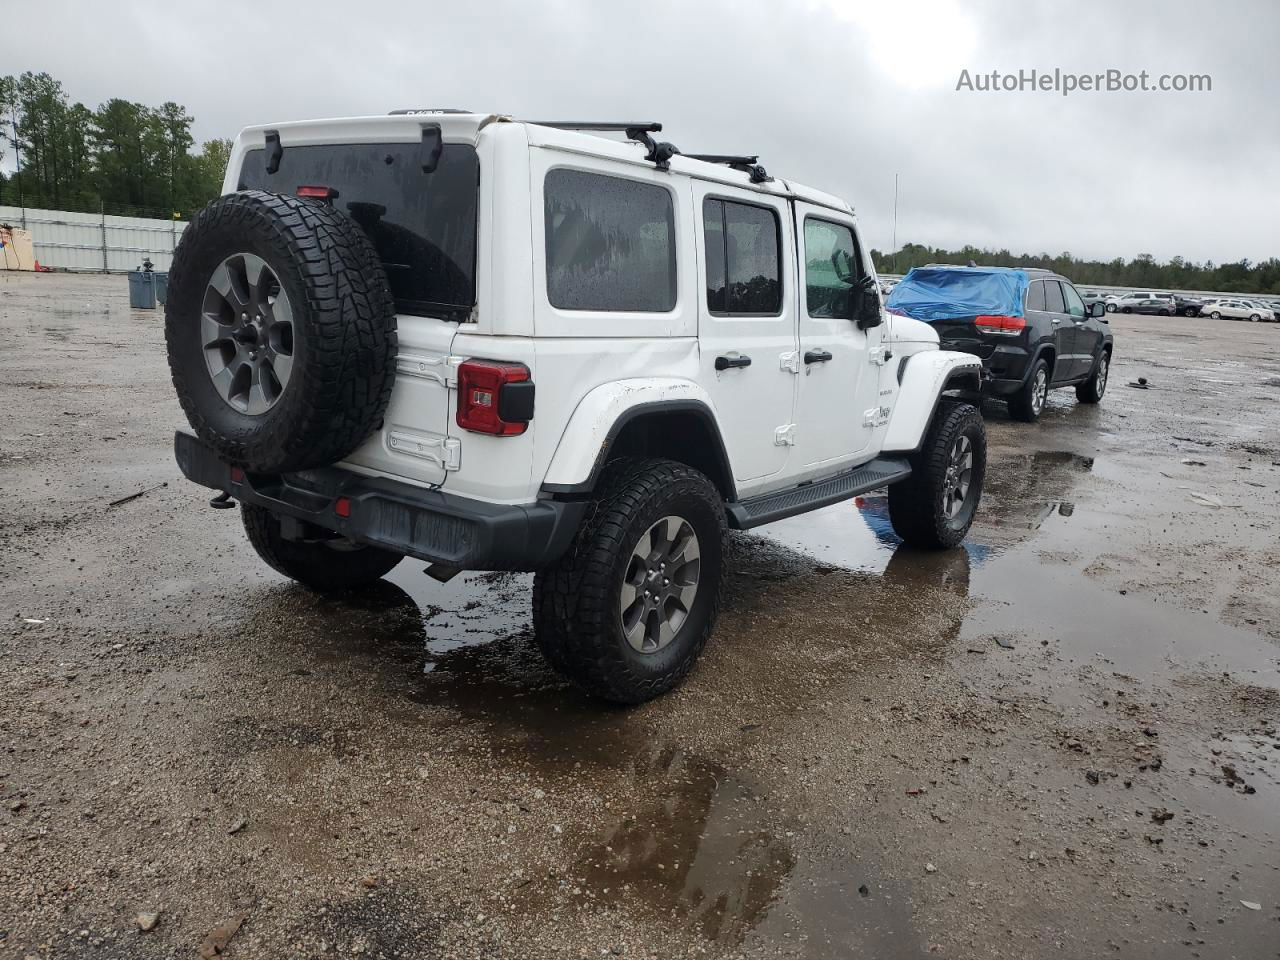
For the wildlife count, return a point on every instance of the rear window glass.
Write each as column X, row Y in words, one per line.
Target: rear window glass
column 422, row 224
column 1035, row 295
column 610, row 243
column 744, row 270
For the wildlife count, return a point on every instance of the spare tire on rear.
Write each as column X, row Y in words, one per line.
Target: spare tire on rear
column 281, row 331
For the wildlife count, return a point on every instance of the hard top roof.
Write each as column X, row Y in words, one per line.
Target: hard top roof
column 462, row 126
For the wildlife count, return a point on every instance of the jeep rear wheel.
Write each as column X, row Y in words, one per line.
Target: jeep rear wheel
column 935, row 506
column 628, row 608
column 324, row 563
column 281, row 331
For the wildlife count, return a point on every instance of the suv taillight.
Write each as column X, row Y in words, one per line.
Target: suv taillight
column 1010, row 326
column 494, row 397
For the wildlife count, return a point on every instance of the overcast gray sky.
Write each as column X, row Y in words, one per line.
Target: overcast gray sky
column 839, row 94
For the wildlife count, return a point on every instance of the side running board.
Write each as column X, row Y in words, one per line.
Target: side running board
column 745, row 514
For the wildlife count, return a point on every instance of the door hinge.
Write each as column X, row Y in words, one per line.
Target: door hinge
column 445, row 451
column 790, row 361
column 785, row 436
column 881, row 355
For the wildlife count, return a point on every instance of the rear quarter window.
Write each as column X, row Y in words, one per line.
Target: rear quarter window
column 610, row 243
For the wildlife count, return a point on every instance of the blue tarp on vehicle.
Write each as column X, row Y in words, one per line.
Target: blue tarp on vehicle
column 950, row 293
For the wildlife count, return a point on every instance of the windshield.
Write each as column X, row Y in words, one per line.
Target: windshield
column 423, row 225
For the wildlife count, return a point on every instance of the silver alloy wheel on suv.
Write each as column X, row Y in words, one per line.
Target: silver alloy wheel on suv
column 246, row 325
column 1104, row 367
column 958, row 478
column 1039, row 391
column 660, row 584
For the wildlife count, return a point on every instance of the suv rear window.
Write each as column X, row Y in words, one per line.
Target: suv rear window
column 422, row 224
column 610, row 243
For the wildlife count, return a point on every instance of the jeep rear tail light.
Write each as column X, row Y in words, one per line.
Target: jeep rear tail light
column 1009, row 326
column 494, row 397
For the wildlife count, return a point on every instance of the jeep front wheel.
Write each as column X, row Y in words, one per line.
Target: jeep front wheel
column 934, row 507
column 628, row 608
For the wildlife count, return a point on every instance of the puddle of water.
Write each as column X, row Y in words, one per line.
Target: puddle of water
column 709, row 850
column 470, row 610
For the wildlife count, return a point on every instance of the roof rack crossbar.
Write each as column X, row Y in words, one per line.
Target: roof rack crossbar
column 745, row 163
column 659, row 154
column 647, row 126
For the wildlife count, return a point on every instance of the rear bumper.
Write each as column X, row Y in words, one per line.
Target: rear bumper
column 1004, row 366
column 427, row 524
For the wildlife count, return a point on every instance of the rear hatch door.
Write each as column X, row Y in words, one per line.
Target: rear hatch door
column 422, row 221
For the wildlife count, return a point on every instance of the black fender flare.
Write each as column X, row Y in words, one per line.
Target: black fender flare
column 640, row 410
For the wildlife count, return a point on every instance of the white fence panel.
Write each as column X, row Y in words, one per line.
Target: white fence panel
column 91, row 242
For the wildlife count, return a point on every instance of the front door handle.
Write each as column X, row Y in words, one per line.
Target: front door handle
column 817, row 356
column 726, row 363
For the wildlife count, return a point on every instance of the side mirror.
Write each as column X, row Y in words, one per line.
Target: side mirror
column 1097, row 309
column 866, row 309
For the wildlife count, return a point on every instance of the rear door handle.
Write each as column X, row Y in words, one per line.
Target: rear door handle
column 726, row 363
column 817, row 356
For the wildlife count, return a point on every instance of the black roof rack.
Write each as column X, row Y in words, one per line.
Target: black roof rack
column 659, row 154
column 746, row 163
column 620, row 126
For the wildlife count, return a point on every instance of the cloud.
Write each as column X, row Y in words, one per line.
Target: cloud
column 839, row 94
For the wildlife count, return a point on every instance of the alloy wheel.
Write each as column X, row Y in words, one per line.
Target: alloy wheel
column 1039, row 391
column 660, row 584
column 246, row 325
column 958, row 477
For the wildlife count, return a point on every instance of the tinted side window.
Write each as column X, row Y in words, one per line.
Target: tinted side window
column 713, row 234
column 830, row 269
column 1035, row 295
column 1075, row 306
column 610, row 243
column 744, row 272
column 1053, row 297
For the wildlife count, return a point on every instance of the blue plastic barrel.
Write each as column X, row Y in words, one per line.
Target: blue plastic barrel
column 142, row 290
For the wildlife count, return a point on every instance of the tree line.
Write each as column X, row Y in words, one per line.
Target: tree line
column 1142, row 271
column 121, row 158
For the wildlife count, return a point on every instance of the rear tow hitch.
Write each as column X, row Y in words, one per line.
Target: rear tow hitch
column 222, row 501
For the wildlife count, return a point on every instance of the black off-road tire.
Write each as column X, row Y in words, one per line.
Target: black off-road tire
column 576, row 602
column 1091, row 390
column 343, row 332
column 916, row 504
column 1022, row 405
column 322, row 565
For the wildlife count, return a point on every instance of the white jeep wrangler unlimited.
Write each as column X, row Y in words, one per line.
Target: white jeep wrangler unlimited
column 499, row 345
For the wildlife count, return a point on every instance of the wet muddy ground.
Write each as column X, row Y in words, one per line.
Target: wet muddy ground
column 1059, row 741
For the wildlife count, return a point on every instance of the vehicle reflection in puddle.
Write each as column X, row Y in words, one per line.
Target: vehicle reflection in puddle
column 470, row 610
column 708, row 849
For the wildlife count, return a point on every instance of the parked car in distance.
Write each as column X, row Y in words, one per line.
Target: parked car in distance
column 1234, row 309
column 1161, row 306
column 1030, row 327
column 1187, row 305
column 1091, row 297
column 1117, row 301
